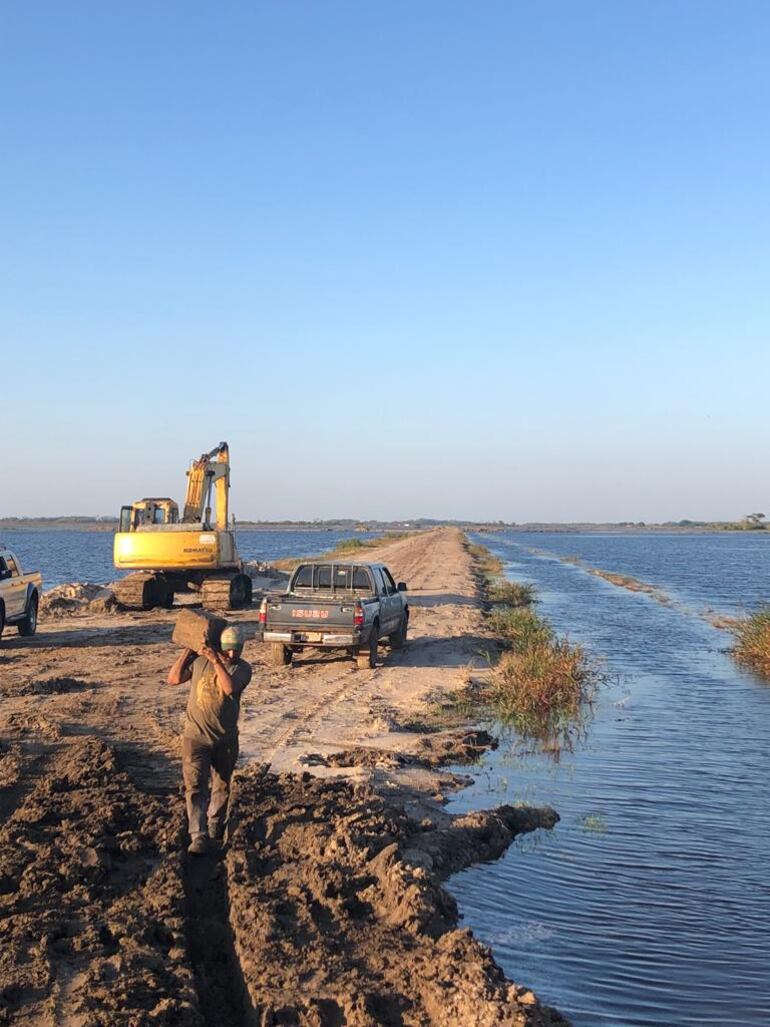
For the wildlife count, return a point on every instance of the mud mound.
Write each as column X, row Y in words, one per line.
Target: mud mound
column 77, row 597
column 436, row 750
column 338, row 914
column 44, row 686
column 91, row 899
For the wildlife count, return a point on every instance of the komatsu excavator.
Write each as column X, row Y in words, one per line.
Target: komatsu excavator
column 192, row 555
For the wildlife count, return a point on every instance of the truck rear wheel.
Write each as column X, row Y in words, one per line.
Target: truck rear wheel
column 2, row 619
column 366, row 658
column 280, row 654
column 28, row 626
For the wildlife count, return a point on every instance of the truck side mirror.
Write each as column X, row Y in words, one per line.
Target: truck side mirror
column 402, row 586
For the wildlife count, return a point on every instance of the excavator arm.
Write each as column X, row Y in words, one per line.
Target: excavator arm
column 209, row 470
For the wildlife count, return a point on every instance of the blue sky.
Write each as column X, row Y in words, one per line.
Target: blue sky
column 497, row 260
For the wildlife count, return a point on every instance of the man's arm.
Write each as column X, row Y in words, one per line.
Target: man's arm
column 181, row 671
column 224, row 680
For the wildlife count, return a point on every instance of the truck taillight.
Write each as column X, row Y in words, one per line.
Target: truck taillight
column 358, row 615
column 263, row 612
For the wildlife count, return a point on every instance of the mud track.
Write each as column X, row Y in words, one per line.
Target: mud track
column 327, row 906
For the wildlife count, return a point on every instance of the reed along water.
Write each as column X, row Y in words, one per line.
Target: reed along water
column 649, row 903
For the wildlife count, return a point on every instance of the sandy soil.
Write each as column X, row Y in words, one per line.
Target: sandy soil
column 326, row 907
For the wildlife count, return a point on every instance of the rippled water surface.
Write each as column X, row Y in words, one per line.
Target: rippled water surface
column 64, row 556
column 649, row 903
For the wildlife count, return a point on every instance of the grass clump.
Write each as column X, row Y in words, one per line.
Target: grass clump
column 541, row 681
column 488, row 564
column 752, row 642
column 511, row 593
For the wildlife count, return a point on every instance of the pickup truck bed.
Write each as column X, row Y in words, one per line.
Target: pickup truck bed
column 350, row 606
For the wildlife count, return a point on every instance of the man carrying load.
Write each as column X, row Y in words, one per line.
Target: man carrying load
column 210, row 735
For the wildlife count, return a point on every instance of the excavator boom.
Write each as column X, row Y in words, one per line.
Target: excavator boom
column 210, row 469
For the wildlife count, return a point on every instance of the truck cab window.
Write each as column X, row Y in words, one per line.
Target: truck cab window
column 389, row 582
column 379, row 583
column 304, row 577
column 342, row 578
column 361, row 579
column 324, row 577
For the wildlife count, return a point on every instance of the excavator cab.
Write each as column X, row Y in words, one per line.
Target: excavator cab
column 148, row 512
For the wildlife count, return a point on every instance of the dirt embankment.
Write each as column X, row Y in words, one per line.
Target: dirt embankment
column 327, row 907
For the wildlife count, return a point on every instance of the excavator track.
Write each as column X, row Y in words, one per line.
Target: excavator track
column 226, row 591
column 138, row 591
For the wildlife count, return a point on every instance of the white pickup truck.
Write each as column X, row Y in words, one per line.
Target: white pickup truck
column 19, row 594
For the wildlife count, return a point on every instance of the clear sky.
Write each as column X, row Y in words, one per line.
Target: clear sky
column 485, row 260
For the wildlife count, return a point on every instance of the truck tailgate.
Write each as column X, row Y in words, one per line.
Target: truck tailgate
column 292, row 613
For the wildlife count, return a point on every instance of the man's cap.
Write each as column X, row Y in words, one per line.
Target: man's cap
column 232, row 638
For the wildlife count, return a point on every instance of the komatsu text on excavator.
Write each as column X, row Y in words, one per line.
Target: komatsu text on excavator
column 194, row 554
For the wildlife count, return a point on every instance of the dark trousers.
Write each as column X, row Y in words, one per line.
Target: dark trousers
column 207, row 768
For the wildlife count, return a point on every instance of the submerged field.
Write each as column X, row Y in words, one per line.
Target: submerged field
column 645, row 905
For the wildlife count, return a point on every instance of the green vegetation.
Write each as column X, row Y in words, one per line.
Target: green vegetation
column 488, row 565
column 511, row 593
column 752, row 645
column 541, row 683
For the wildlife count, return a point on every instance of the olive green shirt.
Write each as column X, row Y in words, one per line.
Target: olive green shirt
column 211, row 715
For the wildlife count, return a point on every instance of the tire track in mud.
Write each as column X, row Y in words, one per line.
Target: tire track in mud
column 322, row 704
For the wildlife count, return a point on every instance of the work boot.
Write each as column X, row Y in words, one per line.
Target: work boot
column 199, row 846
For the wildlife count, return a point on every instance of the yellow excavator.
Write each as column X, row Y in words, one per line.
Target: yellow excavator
column 194, row 554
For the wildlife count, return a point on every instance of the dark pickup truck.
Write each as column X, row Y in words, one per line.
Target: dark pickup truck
column 335, row 606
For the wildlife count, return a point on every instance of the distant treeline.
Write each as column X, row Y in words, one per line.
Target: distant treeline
column 752, row 522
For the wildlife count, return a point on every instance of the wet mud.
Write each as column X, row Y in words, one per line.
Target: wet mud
column 326, row 906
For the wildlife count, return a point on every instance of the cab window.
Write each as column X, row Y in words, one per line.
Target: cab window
column 361, row 579
column 11, row 564
column 304, row 577
column 389, row 582
column 379, row 583
column 342, row 578
column 324, row 579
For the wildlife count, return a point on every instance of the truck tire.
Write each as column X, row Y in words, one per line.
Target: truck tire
column 398, row 638
column 2, row 618
column 280, row 654
column 366, row 658
column 28, row 626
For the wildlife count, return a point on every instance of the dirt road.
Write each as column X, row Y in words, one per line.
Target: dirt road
column 327, row 907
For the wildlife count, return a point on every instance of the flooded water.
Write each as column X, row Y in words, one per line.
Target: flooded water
column 63, row 556
column 649, row 903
